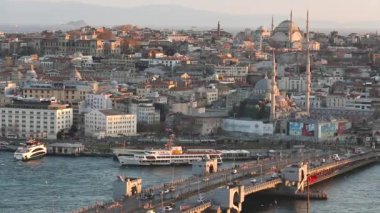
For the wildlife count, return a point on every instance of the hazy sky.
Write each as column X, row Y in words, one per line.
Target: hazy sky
column 335, row 10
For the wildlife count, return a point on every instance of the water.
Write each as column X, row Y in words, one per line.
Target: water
column 357, row 191
column 63, row 184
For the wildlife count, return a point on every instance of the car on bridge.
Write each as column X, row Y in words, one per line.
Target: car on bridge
column 168, row 208
column 335, row 157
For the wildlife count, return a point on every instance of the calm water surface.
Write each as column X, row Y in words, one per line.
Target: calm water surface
column 62, row 184
column 354, row 192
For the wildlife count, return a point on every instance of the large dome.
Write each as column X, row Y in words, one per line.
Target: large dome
column 263, row 84
column 285, row 25
column 281, row 33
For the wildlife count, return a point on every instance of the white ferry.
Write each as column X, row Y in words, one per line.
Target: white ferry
column 162, row 157
column 30, row 151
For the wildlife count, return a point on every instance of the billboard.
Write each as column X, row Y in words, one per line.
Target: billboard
column 295, row 128
column 341, row 128
column 308, row 129
column 328, row 129
column 247, row 126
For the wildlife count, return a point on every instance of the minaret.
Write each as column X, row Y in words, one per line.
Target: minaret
column 218, row 28
column 273, row 94
column 272, row 27
column 290, row 29
column 308, row 71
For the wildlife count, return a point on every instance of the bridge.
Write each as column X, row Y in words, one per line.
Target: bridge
column 225, row 190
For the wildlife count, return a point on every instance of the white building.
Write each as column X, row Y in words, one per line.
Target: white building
column 35, row 118
column 96, row 101
column 211, row 95
column 239, row 73
column 300, row 100
column 336, row 101
column 363, row 104
column 144, row 110
column 109, row 123
column 247, row 126
column 292, row 84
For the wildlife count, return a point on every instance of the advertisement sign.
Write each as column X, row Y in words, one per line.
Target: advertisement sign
column 328, row 129
column 295, row 128
column 308, row 129
column 341, row 128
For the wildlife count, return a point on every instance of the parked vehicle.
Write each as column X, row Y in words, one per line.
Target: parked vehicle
column 336, row 157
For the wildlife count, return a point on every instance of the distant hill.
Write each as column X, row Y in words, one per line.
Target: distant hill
column 51, row 15
column 79, row 23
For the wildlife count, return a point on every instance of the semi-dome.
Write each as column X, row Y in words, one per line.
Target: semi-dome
column 114, row 83
column 263, row 84
column 261, row 29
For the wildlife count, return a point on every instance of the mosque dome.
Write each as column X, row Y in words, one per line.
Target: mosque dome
column 285, row 26
column 114, row 84
column 263, row 84
column 262, row 29
column 281, row 33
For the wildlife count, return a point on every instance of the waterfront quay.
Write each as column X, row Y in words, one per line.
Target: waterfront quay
column 236, row 183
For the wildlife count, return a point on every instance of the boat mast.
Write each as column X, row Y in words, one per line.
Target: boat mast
column 170, row 142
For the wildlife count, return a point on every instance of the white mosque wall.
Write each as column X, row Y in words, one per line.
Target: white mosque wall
column 247, row 126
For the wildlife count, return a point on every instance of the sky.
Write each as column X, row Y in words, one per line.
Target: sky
column 342, row 11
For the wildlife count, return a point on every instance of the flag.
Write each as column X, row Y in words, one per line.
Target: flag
column 312, row 179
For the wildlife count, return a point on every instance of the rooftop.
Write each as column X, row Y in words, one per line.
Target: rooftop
column 111, row 112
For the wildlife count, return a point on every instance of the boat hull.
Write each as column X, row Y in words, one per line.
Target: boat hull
column 138, row 162
column 21, row 157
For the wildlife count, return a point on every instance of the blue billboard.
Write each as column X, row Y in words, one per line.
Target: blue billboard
column 295, row 128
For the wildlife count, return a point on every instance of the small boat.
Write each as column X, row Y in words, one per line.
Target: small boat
column 31, row 150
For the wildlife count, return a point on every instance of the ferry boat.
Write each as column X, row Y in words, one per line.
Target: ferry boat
column 31, row 150
column 171, row 155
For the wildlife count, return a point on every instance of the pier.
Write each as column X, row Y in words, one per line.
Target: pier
column 226, row 189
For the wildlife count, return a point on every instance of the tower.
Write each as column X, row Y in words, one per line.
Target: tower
column 308, row 71
column 273, row 94
column 272, row 26
column 290, row 29
column 218, row 28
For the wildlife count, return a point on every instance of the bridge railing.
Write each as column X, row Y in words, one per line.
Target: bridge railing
column 341, row 162
column 198, row 208
column 262, row 186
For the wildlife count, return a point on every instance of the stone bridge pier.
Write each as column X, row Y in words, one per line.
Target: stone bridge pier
column 230, row 199
column 294, row 178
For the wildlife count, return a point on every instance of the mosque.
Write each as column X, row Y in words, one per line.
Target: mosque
column 266, row 90
column 287, row 35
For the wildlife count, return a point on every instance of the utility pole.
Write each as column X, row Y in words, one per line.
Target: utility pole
column 308, row 195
